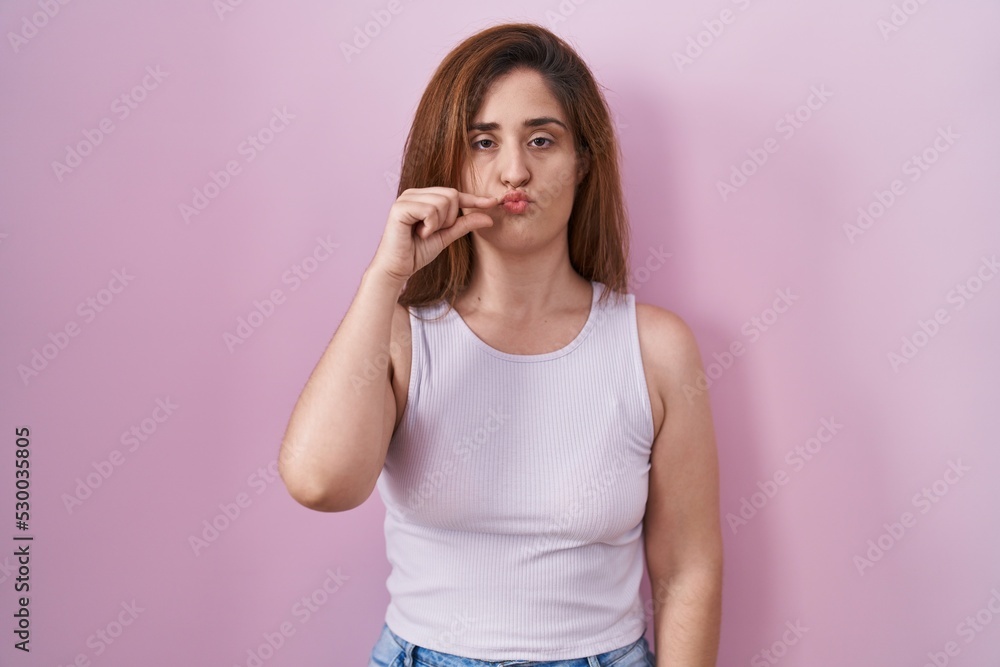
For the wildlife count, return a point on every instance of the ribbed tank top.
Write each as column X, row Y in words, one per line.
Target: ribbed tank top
column 515, row 488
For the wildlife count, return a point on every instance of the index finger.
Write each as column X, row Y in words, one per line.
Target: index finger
column 469, row 200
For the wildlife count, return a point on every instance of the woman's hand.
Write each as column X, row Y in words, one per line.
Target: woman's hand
column 422, row 222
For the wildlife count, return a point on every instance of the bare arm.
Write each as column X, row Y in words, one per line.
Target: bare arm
column 682, row 527
column 338, row 434
column 336, row 440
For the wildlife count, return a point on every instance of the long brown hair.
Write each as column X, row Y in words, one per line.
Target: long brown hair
column 598, row 230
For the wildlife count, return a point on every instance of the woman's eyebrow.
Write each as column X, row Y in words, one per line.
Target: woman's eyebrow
column 531, row 122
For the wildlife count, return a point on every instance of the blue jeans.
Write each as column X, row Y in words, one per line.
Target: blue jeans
column 392, row 650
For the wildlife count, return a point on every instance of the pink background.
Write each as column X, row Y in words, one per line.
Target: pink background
column 330, row 173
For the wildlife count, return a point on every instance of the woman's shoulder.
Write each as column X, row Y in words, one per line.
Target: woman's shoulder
column 659, row 319
column 667, row 341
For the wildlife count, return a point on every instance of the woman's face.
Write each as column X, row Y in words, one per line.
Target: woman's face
column 521, row 141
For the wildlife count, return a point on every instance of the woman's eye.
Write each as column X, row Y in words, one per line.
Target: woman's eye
column 479, row 143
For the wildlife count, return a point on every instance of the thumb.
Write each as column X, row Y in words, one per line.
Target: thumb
column 465, row 224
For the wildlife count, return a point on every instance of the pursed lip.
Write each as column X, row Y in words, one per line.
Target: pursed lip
column 514, row 196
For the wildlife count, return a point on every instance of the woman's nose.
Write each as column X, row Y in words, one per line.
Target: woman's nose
column 514, row 167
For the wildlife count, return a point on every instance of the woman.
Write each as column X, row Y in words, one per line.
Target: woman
column 536, row 431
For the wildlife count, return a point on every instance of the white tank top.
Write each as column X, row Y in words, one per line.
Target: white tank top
column 515, row 488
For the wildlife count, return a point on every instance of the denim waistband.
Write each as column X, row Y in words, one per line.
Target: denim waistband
column 413, row 652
